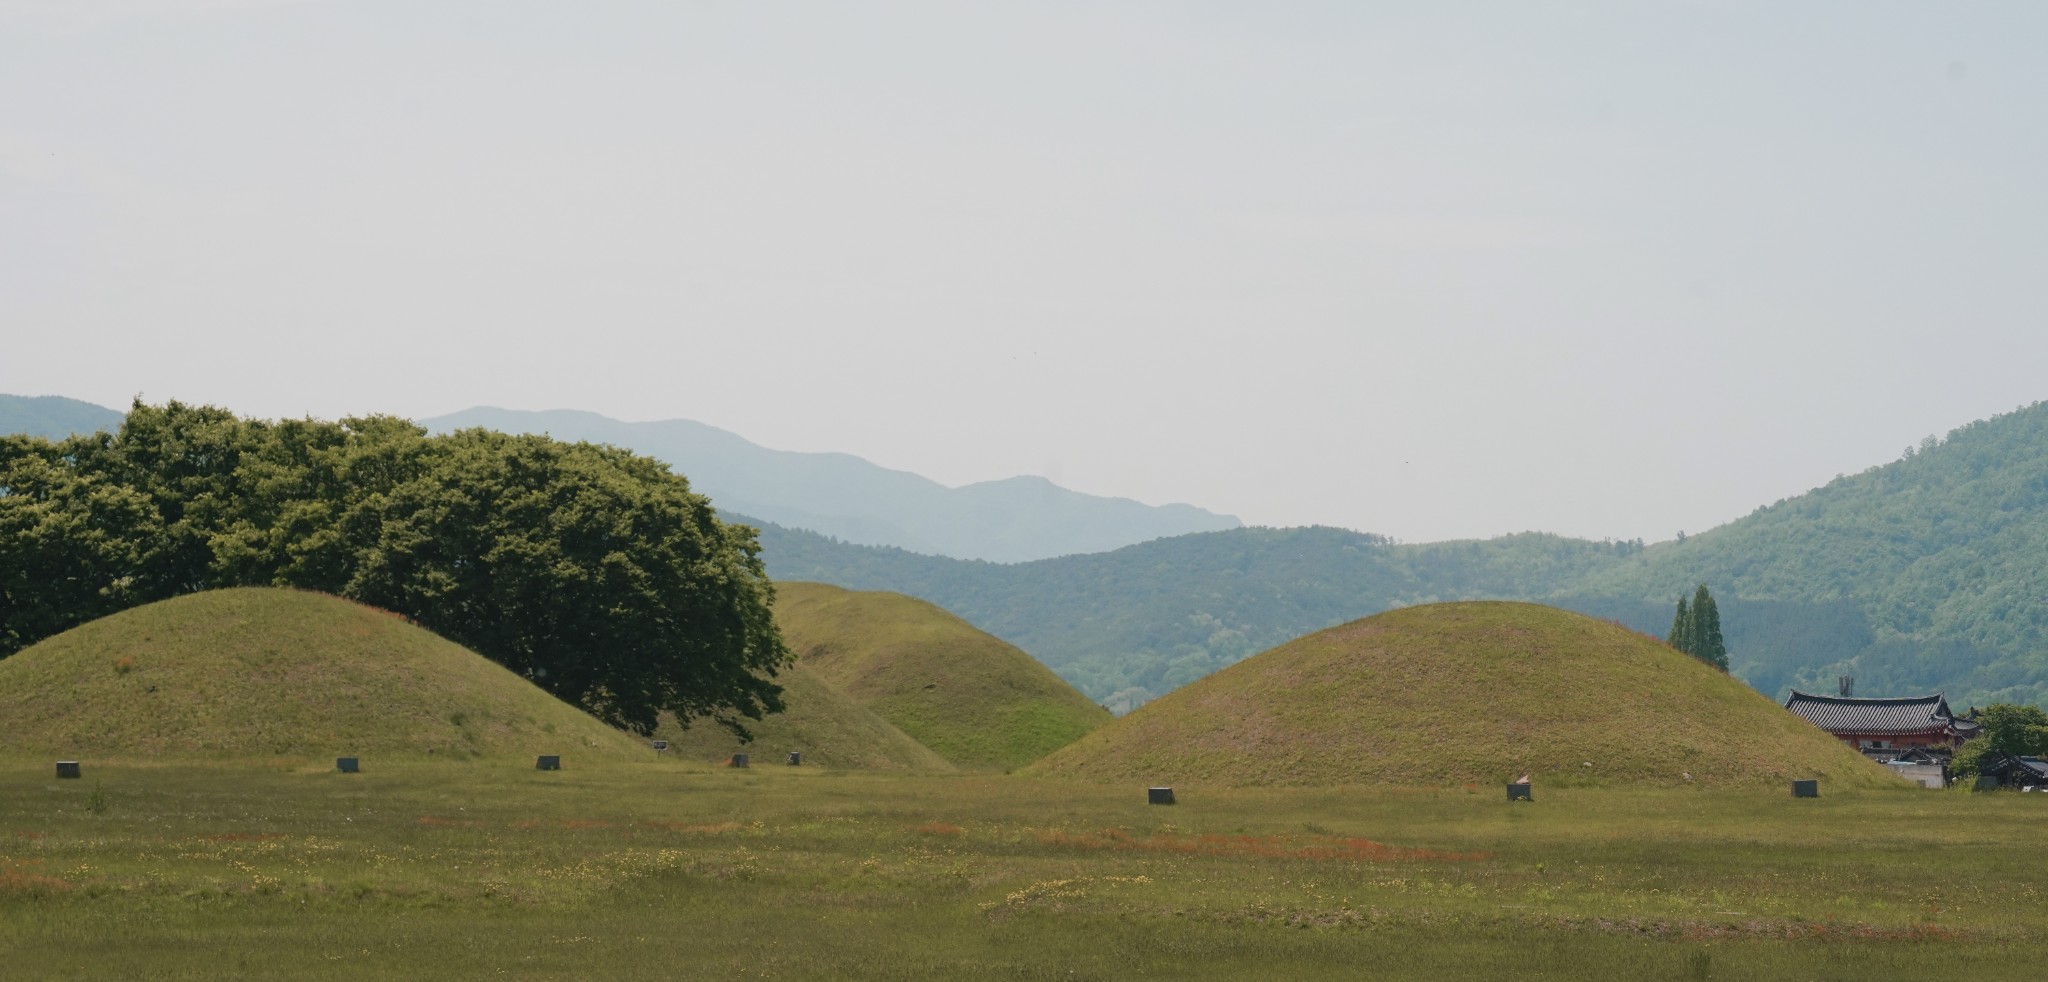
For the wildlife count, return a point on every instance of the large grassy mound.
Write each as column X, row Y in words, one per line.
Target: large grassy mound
column 261, row 672
column 1465, row 692
column 821, row 722
column 976, row 700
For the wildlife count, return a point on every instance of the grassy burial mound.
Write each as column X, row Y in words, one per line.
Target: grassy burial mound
column 824, row 724
column 975, row 699
column 1466, row 693
column 265, row 672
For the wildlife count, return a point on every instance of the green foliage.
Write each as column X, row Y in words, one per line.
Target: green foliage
column 1696, row 629
column 1681, row 628
column 1938, row 551
column 1127, row 626
column 593, row 572
column 1918, row 576
column 1011, row 520
column 2008, row 729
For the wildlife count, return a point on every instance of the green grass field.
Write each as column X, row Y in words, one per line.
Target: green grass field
column 665, row 869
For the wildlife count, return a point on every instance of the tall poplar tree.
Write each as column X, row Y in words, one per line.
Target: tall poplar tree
column 1706, row 630
column 1696, row 629
column 1681, row 627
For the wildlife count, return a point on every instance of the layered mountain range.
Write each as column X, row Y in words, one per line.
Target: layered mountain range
column 851, row 499
column 1922, row 574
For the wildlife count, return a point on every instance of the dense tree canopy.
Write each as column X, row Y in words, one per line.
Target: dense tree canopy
column 591, row 571
column 2008, row 729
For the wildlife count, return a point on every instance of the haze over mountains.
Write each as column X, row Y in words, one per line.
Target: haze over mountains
column 53, row 417
column 845, row 497
column 1922, row 574
column 837, row 495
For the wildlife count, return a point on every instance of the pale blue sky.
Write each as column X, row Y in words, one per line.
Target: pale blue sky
column 1434, row 270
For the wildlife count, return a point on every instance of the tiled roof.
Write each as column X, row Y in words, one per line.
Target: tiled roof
column 1837, row 714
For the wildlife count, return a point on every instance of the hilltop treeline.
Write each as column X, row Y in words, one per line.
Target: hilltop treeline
column 1919, row 575
column 593, row 572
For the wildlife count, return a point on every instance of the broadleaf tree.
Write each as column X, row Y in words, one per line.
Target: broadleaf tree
column 593, row 572
column 2007, row 728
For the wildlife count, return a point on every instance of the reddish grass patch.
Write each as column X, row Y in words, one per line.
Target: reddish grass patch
column 713, row 828
column 946, row 829
column 17, row 877
column 1316, row 847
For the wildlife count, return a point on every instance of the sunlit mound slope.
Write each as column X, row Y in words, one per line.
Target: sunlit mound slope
column 1462, row 693
column 820, row 722
column 262, row 672
column 975, row 699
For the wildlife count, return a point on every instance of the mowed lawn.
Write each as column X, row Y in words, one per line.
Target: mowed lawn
column 673, row 870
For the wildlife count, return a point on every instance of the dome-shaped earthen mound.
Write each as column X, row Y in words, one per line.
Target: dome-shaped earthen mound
column 978, row 701
column 270, row 673
column 1462, row 693
column 820, row 722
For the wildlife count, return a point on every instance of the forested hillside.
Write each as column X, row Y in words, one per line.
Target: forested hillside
column 1922, row 574
column 1944, row 553
column 1129, row 625
column 1927, row 573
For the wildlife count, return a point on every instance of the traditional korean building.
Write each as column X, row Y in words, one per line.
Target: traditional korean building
column 1885, row 727
column 2010, row 771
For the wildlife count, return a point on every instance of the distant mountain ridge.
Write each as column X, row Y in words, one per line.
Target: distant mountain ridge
column 1923, row 574
column 1016, row 519
column 839, row 495
column 54, row 417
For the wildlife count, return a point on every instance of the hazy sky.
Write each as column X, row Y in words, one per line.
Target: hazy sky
column 1432, row 270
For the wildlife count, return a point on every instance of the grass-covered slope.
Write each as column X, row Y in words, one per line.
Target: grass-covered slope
column 263, row 673
column 1465, row 692
column 828, row 727
column 976, row 700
